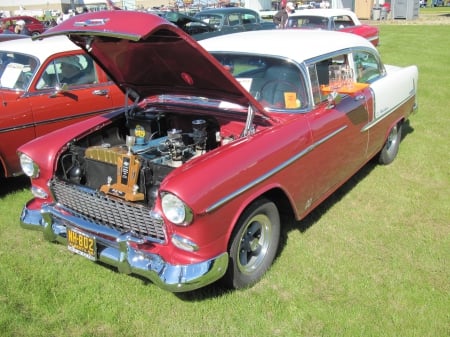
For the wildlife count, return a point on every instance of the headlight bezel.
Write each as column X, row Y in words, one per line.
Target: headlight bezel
column 175, row 210
column 28, row 165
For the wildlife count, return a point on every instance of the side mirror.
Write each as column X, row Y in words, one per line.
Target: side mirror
column 60, row 88
column 333, row 98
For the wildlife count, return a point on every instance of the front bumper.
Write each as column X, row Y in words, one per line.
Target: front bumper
column 120, row 253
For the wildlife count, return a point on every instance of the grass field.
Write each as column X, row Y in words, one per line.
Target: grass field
column 373, row 260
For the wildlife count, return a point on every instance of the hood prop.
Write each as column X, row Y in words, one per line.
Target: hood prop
column 249, row 128
column 129, row 111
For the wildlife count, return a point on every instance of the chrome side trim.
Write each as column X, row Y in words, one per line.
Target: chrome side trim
column 54, row 120
column 375, row 121
column 118, row 252
column 273, row 171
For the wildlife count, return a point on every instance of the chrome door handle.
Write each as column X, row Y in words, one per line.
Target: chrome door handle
column 100, row 92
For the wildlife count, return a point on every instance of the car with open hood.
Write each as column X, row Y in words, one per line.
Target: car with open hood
column 37, row 96
column 338, row 19
column 225, row 140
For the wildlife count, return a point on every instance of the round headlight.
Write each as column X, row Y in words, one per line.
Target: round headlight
column 175, row 210
column 29, row 167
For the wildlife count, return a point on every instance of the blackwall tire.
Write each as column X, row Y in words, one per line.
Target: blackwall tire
column 253, row 245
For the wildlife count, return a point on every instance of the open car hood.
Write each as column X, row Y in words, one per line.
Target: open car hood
column 147, row 55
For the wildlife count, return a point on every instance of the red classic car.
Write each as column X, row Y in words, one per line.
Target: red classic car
column 35, row 97
column 34, row 26
column 341, row 20
column 226, row 140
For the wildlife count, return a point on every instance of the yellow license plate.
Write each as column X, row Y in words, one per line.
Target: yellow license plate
column 81, row 243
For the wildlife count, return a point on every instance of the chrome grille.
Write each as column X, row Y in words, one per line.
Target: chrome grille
column 114, row 213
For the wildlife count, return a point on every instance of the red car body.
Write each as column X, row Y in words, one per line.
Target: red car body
column 30, row 110
column 341, row 20
column 227, row 140
column 34, row 26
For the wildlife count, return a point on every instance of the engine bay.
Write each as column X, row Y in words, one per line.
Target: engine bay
column 129, row 158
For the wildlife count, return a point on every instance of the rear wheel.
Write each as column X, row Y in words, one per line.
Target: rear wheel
column 254, row 244
column 390, row 148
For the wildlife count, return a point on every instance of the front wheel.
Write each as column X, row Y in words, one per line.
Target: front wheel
column 390, row 148
column 254, row 244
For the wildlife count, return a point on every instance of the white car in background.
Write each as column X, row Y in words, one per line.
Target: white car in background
column 341, row 20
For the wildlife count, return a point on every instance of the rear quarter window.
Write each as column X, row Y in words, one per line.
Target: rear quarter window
column 367, row 67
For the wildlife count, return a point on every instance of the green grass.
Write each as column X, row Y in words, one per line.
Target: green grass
column 373, row 260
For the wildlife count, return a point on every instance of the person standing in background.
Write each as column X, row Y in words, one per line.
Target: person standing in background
column 280, row 19
column 21, row 28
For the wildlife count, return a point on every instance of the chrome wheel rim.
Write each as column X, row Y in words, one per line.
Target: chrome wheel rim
column 392, row 139
column 254, row 243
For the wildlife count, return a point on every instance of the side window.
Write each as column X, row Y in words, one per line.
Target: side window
column 248, row 18
column 16, row 70
column 233, row 19
column 48, row 78
column 213, row 20
column 343, row 21
column 319, row 74
column 367, row 67
column 315, row 22
column 314, row 71
column 72, row 70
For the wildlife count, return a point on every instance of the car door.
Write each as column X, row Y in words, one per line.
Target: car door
column 15, row 129
column 338, row 138
column 57, row 103
column 45, row 105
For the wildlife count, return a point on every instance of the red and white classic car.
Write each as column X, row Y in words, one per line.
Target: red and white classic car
column 36, row 98
column 342, row 20
column 192, row 182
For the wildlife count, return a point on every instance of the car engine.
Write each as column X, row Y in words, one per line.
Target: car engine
column 130, row 158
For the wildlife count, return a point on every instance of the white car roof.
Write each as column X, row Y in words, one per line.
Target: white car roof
column 325, row 12
column 41, row 49
column 295, row 44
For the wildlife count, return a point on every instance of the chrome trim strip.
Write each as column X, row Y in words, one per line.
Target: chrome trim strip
column 119, row 253
column 273, row 171
column 375, row 121
column 54, row 120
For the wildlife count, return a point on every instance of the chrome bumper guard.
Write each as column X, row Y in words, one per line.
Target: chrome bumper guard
column 119, row 253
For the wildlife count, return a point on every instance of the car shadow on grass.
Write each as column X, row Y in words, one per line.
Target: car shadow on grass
column 11, row 185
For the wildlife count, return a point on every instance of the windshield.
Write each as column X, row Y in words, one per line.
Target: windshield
column 16, row 70
column 276, row 83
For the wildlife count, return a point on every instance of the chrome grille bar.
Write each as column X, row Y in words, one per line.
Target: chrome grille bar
column 108, row 211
